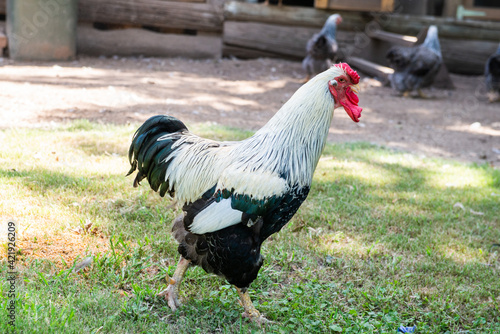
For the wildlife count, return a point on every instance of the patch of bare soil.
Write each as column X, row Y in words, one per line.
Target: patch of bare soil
column 458, row 124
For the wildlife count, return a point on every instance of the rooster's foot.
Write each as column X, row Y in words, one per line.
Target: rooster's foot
column 171, row 295
column 422, row 94
column 256, row 317
column 250, row 311
column 493, row 96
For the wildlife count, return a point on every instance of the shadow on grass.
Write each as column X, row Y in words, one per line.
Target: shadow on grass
column 41, row 180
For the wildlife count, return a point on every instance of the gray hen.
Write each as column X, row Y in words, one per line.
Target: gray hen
column 322, row 48
column 492, row 73
column 415, row 67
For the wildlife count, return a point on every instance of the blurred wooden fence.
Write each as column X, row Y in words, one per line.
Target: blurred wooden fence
column 255, row 30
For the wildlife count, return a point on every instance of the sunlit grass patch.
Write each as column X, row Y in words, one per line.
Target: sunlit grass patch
column 384, row 239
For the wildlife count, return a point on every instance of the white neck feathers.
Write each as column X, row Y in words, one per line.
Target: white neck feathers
column 292, row 141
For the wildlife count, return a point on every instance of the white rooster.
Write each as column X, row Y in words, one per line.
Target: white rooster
column 237, row 194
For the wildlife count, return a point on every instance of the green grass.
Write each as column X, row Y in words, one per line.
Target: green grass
column 378, row 244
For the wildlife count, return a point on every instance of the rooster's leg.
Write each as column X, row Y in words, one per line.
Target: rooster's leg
column 171, row 293
column 250, row 311
column 422, row 94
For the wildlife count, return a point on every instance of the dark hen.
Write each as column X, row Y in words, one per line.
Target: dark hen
column 492, row 74
column 321, row 49
column 415, row 67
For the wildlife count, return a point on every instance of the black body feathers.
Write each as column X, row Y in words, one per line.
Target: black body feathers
column 234, row 252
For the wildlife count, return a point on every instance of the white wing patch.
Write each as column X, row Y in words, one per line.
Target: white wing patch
column 219, row 215
column 215, row 217
column 256, row 184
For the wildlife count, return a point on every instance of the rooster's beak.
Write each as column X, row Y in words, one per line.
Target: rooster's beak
column 355, row 89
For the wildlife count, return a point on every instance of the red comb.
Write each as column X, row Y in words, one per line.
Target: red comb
column 352, row 73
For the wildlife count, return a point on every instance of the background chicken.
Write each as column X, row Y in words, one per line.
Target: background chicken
column 415, row 67
column 322, row 48
column 492, row 73
column 237, row 194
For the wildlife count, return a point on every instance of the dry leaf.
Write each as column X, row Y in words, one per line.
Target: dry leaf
column 478, row 213
column 83, row 264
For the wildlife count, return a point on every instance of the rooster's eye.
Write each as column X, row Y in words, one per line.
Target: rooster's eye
column 341, row 80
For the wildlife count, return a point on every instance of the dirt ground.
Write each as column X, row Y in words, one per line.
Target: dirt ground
column 458, row 124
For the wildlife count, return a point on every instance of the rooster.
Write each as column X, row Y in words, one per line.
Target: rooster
column 415, row 67
column 321, row 49
column 492, row 73
column 237, row 194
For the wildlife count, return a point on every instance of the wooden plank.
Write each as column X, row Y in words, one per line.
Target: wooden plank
column 285, row 41
column 3, row 7
column 356, row 5
column 288, row 41
column 291, row 16
column 449, row 28
column 492, row 13
column 466, row 56
column 246, row 53
column 370, row 68
column 442, row 80
column 170, row 14
column 392, row 38
column 134, row 42
column 352, row 21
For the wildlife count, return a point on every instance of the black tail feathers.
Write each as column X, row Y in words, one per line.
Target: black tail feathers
column 146, row 153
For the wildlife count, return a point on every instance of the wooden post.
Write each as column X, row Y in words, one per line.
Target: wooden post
column 292, row 16
column 387, row 6
column 204, row 16
column 269, row 38
column 372, row 69
column 3, row 42
column 450, row 7
column 321, row 4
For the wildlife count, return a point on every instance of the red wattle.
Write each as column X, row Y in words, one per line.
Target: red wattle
column 352, row 110
column 353, row 98
column 350, row 102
